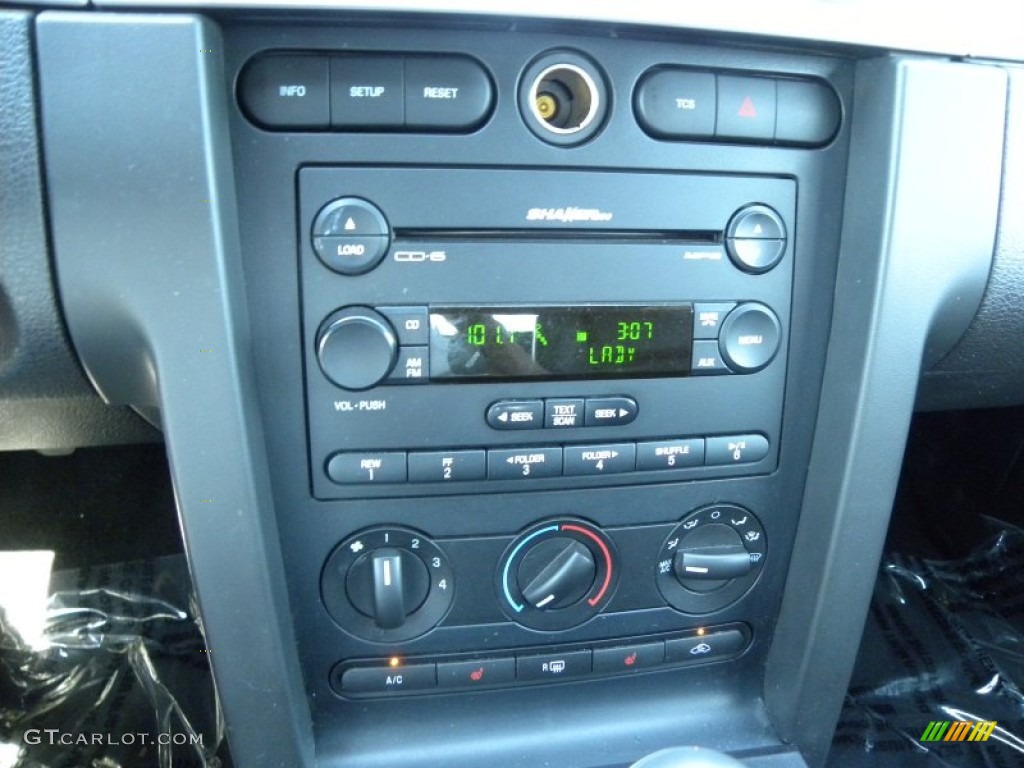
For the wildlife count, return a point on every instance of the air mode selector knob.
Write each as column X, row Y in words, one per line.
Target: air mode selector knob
column 356, row 347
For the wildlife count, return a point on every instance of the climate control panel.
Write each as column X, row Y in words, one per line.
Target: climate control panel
column 392, row 585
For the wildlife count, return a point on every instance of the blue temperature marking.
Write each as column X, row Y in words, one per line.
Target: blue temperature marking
column 508, row 564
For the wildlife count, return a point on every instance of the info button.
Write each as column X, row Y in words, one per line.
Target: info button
column 516, row 414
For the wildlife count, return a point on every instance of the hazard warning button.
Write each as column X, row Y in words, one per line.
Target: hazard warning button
column 746, row 108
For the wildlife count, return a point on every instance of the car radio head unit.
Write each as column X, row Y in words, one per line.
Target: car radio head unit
column 454, row 337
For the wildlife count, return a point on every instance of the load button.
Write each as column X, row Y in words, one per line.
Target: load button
column 610, row 411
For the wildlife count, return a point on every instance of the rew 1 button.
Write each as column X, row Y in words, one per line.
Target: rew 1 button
column 361, row 468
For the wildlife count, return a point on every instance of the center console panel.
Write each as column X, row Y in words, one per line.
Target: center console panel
column 534, row 382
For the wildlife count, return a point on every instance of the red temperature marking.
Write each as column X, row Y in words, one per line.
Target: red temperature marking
column 607, row 558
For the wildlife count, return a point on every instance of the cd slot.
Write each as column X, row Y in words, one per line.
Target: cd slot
column 663, row 237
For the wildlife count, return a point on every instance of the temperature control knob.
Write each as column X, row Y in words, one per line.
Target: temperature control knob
column 356, row 347
column 387, row 584
column 557, row 574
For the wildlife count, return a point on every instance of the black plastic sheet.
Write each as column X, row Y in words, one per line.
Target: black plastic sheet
column 944, row 643
column 124, row 679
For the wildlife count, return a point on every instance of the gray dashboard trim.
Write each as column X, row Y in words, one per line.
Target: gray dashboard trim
column 174, row 329
column 898, row 273
column 984, row 28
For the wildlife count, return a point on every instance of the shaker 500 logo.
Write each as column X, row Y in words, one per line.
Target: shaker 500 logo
column 566, row 215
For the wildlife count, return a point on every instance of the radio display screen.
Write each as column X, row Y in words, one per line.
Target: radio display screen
column 560, row 342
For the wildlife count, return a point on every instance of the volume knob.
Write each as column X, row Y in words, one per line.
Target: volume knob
column 356, row 347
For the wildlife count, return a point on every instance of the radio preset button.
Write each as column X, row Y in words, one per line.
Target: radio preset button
column 750, row 337
column 735, row 449
column 516, row 414
column 523, row 463
column 563, row 413
column 707, row 359
column 450, row 466
column 599, row 459
column 708, row 318
column 363, row 468
column 610, row 411
column 670, row 454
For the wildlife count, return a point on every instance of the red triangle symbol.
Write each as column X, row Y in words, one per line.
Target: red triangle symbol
column 747, row 108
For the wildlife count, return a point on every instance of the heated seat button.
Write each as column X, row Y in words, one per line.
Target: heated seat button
column 286, row 91
column 706, row 647
column 476, row 674
column 676, row 104
column 627, row 658
column 610, row 411
column 450, row 93
column 516, row 414
column 746, row 108
column 553, row 666
column 366, row 92
column 388, row 679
